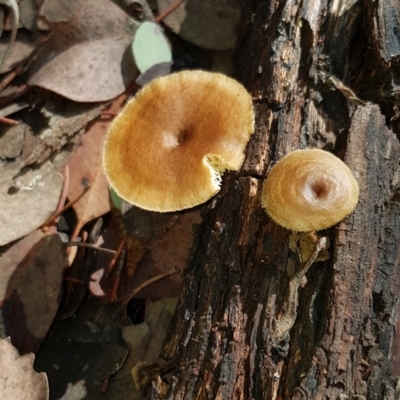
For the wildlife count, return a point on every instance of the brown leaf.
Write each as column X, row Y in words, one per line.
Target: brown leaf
column 168, row 251
column 205, row 23
column 18, row 380
column 27, row 200
column 11, row 258
column 89, row 71
column 36, row 293
column 86, row 58
column 22, row 48
column 164, row 253
column 86, row 166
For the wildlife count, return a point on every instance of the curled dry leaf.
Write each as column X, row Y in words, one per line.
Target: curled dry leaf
column 86, row 58
column 18, row 379
column 205, row 23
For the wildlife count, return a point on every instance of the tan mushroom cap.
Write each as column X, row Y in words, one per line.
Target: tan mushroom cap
column 309, row 190
column 169, row 146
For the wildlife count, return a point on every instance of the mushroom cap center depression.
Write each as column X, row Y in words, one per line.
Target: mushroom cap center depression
column 174, row 139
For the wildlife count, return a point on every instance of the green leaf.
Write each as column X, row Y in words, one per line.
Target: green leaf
column 115, row 198
column 150, row 47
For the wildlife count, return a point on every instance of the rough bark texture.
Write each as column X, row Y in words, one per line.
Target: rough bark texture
column 322, row 74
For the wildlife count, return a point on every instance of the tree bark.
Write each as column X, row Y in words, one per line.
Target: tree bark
column 323, row 74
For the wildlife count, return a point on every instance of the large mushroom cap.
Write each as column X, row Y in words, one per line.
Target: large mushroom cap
column 309, row 190
column 168, row 147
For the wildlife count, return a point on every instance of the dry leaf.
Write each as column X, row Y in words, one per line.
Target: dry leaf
column 36, row 293
column 164, row 253
column 27, row 201
column 205, row 23
column 11, row 142
column 28, row 10
column 18, row 380
column 85, row 60
column 136, row 338
column 89, row 71
column 13, row 108
column 75, row 391
column 86, row 166
column 21, row 49
column 10, row 260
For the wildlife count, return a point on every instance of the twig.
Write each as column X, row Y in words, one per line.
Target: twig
column 117, row 278
column 64, row 193
column 11, row 76
column 65, row 208
column 63, row 197
column 168, row 11
column 109, row 113
column 117, row 254
column 74, row 280
column 18, row 93
column 90, row 245
column 8, row 121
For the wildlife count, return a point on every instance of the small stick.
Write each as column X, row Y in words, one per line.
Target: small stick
column 147, row 283
column 64, row 193
column 168, row 11
column 65, row 208
column 18, row 93
column 117, row 254
column 104, row 384
column 8, row 121
column 63, row 197
column 11, row 76
column 117, row 280
column 74, row 280
column 90, row 246
column 109, row 113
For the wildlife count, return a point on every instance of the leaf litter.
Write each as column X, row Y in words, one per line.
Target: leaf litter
column 87, row 48
column 86, row 167
column 88, row 60
column 43, row 267
column 18, row 379
column 27, row 200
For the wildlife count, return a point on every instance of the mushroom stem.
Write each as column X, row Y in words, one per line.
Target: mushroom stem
column 284, row 323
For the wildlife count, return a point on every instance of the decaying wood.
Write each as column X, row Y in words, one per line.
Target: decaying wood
column 322, row 74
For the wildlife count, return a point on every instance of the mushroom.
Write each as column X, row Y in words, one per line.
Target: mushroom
column 309, row 190
column 167, row 149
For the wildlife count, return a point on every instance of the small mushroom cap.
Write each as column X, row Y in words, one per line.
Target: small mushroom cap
column 309, row 190
column 167, row 149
